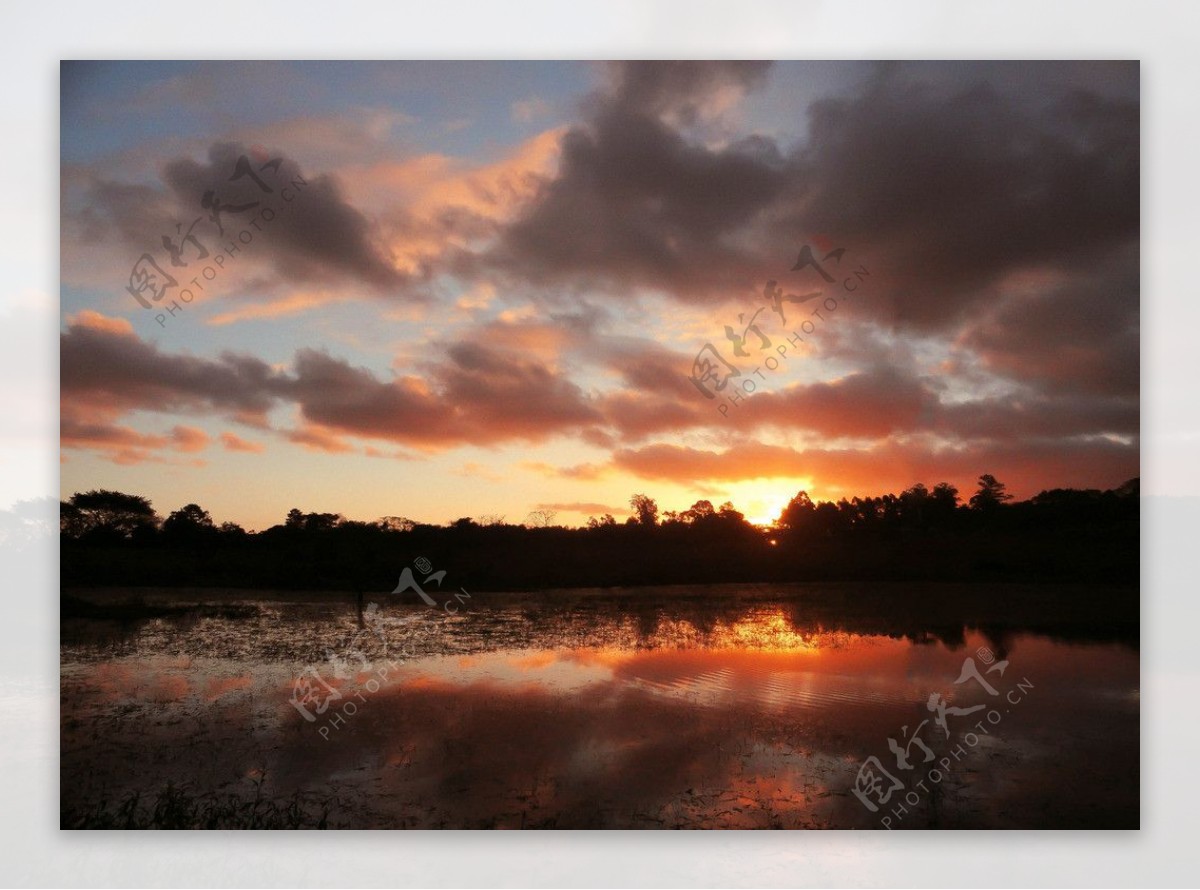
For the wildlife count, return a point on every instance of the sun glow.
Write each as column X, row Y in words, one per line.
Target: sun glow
column 764, row 499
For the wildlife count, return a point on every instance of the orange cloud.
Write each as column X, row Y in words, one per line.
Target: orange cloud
column 292, row 304
column 233, row 442
column 318, row 438
column 1027, row 467
column 95, row 430
column 584, row 508
column 89, row 318
column 189, row 438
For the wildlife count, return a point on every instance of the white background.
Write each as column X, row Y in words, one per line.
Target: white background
column 1162, row 34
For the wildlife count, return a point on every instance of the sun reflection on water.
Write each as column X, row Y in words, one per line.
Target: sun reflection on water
column 766, row 629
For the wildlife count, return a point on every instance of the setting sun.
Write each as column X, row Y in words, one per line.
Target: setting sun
column 763, row 500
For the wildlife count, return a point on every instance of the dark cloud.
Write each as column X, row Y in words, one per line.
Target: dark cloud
column 1002, row 221
column 506, row 393
column 948, row 187
column 1000, row 226
column 106, row 369
column 883, row 399
column 486, row 394
column 316, row 235
column 1035, row 416
column 474, row 395
column 1081, row 334
column 635, row 203
column 681, row 91
column 870, row 404
column 950, row 191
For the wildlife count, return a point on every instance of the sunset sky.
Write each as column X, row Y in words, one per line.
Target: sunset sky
column 487, row 288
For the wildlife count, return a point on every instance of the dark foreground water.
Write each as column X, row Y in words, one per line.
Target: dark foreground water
column 723, row 707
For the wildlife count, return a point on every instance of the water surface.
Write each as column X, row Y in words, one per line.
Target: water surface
column 722, row 707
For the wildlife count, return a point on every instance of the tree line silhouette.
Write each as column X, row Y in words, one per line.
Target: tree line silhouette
column 115, row 539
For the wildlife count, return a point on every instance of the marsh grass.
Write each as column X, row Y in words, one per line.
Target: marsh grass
column 177, row 807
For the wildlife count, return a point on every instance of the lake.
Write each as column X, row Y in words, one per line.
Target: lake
column 728, row 706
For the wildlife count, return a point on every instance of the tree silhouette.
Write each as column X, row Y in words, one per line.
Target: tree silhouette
column 538, row 519
column 991, row 494
column 191, row 522
column 111, row 538
column 699, row 512
column 110, row 513
column 943, row 502
column 728, row 513
column 798, row 513
column 913, row 503
column 189, row 515
column 645, row 510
